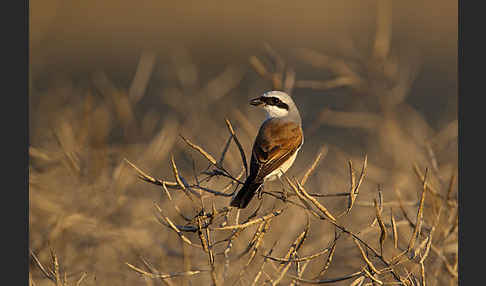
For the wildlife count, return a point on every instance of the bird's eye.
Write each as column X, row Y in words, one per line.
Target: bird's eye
column 275, row 101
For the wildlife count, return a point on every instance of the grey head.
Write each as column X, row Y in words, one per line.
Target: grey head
column 278, row 104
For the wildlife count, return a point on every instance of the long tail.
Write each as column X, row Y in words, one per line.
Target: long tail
column 245, row 194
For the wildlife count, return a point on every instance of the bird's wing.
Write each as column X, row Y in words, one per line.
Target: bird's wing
column 276, row 142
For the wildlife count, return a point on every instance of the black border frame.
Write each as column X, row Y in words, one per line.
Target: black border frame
column 15, row 119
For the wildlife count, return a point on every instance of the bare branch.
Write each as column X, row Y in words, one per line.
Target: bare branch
column 245, row 225
column 322, row 153
column 163, row 276
column 242, row 152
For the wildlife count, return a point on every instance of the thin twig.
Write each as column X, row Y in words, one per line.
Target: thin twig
column 322, row 153
column 326, row 281
column 242, row 152
column 247, row 224
column 418, row 223
column 163, row 276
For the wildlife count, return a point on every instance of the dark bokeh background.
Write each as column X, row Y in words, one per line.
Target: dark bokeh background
column 110, row 32
column 88, row 111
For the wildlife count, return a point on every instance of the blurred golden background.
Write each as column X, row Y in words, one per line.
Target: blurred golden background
column 112, row 80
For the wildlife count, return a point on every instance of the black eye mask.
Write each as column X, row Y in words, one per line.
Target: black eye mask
column 275, row 102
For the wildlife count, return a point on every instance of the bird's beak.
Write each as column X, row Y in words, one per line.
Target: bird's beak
column 256, row 101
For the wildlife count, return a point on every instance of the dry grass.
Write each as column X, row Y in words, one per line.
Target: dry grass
column 131, row 185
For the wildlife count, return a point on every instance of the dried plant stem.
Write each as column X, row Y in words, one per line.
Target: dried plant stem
column 257, row 240
column 282, row 269
column 422, row 178
column 81, row 279
column 206, row 155
column 371, row 276
column 163, row 276
column 247, row 224
column 328, row 260
column 240, row 148
column 296, row 244
column 205, row 242
column 179, row 179
column 353, row 194
column 365, row 257
column 300, row 259
column 259, row 274
column 48, row 274
column 179, row 233
column 379, row 218
column 322, row 153
column 376, row 268
column 324, row 210
column 57, row 273
column 418, row 224
column 144, row 176
column 394, row 229
column 328, row 281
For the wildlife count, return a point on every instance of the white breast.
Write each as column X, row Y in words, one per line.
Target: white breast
column 282, row 169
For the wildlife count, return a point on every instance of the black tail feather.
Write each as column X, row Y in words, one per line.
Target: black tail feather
column 245, row 194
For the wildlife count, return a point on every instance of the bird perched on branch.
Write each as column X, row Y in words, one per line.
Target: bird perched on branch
column 276, row 145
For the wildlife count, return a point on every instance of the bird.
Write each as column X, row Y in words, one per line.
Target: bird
column 275, row 148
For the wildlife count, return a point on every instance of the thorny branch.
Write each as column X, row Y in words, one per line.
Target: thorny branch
column 204, row 222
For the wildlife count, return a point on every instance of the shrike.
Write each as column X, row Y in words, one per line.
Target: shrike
column 276, row 145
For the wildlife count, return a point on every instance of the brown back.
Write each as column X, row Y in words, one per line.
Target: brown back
column 276, row 141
